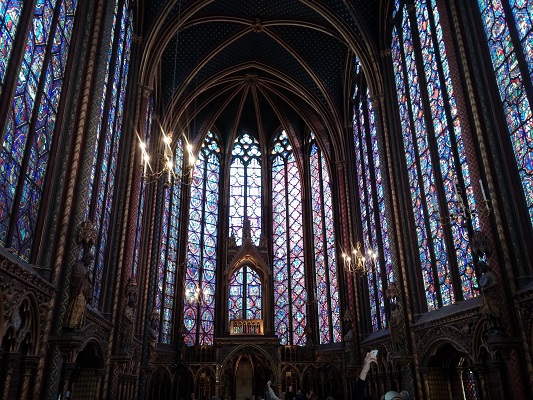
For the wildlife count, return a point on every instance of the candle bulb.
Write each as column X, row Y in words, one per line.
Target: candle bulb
column 482, row 190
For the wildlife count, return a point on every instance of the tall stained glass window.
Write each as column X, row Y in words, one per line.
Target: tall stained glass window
column 375, row 230
column 290, row 316
column 245, row 294
column 107, row 145
column 200, row 279
column 438, row 175
column 327, row 286
column 509, row 29
column 31, row 120
column 142, row 191
column 166, row 277
column 245, row 188
column 10, row 12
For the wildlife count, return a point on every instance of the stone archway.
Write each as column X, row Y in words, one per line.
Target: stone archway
column 449, row 373
column 88, row 373
column 160, row 385
column 245, row 372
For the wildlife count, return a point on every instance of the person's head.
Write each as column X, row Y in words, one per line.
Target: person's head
column 392, row 395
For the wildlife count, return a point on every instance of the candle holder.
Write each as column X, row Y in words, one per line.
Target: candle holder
column 167, row 172
column 355, row 262
column 461, row 211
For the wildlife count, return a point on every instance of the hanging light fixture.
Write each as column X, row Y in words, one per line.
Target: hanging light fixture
column 163, row 165
column 355, row 261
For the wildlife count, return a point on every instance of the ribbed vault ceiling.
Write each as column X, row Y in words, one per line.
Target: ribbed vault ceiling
column 255, row 65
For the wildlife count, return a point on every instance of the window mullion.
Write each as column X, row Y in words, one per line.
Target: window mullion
column 325, row 243
column 372, row 197
column 201, row 247
column 452, row 255
column 417, row 163
column 31, row 126
column 288, row 245
column 434, row 156
column 518, row 50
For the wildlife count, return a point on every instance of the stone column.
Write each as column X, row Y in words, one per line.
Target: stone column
column 10, row 363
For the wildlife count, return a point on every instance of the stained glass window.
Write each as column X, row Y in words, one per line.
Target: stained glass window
column 290, row 316
column 245, row 294
column 371, row 201
column 469, row 385
column 108, row 141
column 439, row 178
column 327, row 289
column 30, row 125
column 245, row 188
column 166, row 278
column 200, row 279
column 142, row 190
column 509, row 30
column 10, row 12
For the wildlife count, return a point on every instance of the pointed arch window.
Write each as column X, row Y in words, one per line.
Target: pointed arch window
column 245, row 188
column 200, row 279
column 28, row 135
column 509, row 31
column 435, row 154
column 290, row 295
column 170, row 222
column 106, row 152
column 374, row 225
column 326, row 280
column 245, row 294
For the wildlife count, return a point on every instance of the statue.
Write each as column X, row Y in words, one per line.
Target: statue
column 395, row 325
column 492, row 298
column 349, row 345
column 81, row 292
column 308, row 337
column 348, row 337
column 153, row 331
column 128, row 318
column 395, row 318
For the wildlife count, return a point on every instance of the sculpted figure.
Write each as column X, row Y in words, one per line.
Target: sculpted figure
column 81, row 292
column 126, row 327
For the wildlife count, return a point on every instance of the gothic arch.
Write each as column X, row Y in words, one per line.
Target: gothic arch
column 21, row 332
column 437, row 337
column 251, row 349
column 160, row 383
column 92, row 349
column 437, row 346
column 310, row 378
column 87, row 378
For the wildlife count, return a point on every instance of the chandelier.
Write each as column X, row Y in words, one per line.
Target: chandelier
column 164, row 164
column 461, row 212
column 355, row 262
column 165, row 168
